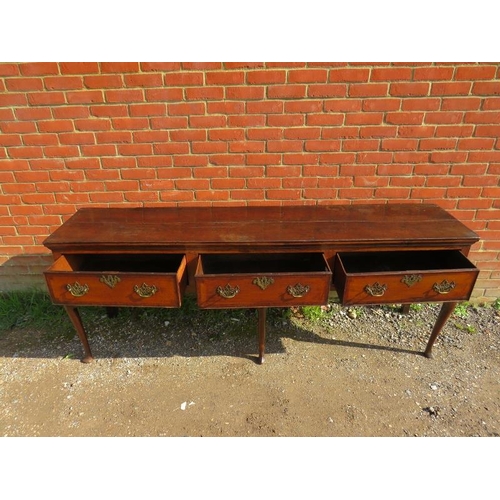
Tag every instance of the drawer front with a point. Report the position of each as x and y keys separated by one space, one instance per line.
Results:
x=416 y=285
x=233 y=290
x=82 y=288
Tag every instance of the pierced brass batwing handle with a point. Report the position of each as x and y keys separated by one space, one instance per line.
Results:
x=444 y=287
x=145 y=290
x=77 y=290
x=297 y=291
x=376 y=290
x=228 y=292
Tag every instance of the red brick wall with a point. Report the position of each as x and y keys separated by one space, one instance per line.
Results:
x=134 y=134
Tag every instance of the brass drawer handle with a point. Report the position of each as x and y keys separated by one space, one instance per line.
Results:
x=411 y=279
x=77 y=290
x=111 y=280
x=145 y=291
x=376 y=290
x=444 y=287
x=228 y=292
x=298 y=290
x=263 y=282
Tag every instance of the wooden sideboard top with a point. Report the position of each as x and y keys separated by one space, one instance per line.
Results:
x=185 y=228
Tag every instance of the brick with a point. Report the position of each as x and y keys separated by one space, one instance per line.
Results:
x=421 y=104
x=327 y=90
x=368 y=89
x=381 y=131
x=61 y=151
x=226 y=135
x=302 y=133
x=263 y=159
x=105 y=110
x=40 y=140
x=437 y=143
x=70 y=112
x=98 y=150
x=325 y=119
x=188 y=135
x=224 y=78
x=364 y=118
x=204 y=93
x=227 y=108
x=283 y=146
x=402 y=118
x=265 y=107
x=433 y=73
x=448 y=156
x=93 y=124
x=248 y=121
x=451 y=88
x=163 y=95
x=444 y=117
x=486 y=88
x=475 y=143
x=187 y=109
x=207 y=121
x=11 y=99
x=303 y=106
x=291 y=91
x=184 y=79
x=307 y=76
x=46 y=98
x=390 y=74
x=387 y=104
x=78 y=68
x=454 y=130
x=125 y=96
x=85 y=97
x=17 y=127
x=486 y=131
x=373 y=157
x=135 y=149
x=20 y=84
x=468 y=169
x=409 y=89
x=39 y=68
x=103 y=81
x=360 y=145
x=9 y=69
x=144 y=80
x=343 y=105
x=169 y=122
x=160 y=66
x=416 y=131
x=208 y=147
x=264 y=134
x=399 y=144
x=492 y=103
x=63 y=82
x=300 y=158
x=10 y=140
x=482 y=117
x=460 y=103
x=446 y=181
x=209 y=172
x=284 y=120
x=119 y=67
x=356 y=193
x=349 y=75
x=266 y=77
x=156 y=109
x=480 y=180
x=26 y=152
x=481 y=72
x=339 y=132
x=190 y=160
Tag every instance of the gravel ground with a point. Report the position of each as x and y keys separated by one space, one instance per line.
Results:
x=347 y=372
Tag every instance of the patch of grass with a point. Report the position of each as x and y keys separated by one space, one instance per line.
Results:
x=416 y=307
x=496 y=304
x=462 y=310
x=312 y=313
x=32 y=308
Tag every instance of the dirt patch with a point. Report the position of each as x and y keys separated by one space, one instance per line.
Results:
x=348 y=372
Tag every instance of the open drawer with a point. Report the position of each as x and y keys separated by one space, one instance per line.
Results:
x=403 y=277
x=144 y=280
x=262 y=280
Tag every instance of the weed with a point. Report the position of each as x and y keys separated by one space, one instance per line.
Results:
x=461 y=310
x=496 y=304
x=416 y=307
x=312 y=313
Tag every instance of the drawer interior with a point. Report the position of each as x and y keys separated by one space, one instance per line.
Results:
x=402 y=261
x=116 y=263
x=263 y=263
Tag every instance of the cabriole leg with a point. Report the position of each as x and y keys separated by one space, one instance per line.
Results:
x=446 y=310
x=75 y=318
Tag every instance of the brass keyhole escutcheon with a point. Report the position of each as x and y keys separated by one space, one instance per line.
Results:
x=111 y=280
x=263 y=282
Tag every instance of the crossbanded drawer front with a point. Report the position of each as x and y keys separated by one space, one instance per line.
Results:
x=274 y=280
x=403 y=277
x=125 y=280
